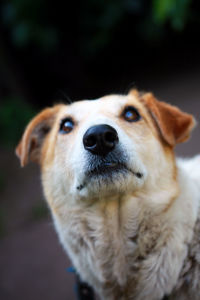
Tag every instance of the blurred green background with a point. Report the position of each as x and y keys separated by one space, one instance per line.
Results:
x=54 y=50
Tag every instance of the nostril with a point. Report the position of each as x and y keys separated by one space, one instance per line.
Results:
x=90 y=141
x=110 y=136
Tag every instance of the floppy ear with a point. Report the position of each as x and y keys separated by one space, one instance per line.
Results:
x=29 y=147
x=174 y=125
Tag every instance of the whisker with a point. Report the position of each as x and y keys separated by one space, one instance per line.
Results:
x=65 y=96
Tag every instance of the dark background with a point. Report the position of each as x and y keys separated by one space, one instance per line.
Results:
x=55 y=51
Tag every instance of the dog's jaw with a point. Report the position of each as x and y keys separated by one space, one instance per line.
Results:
x=109 y=178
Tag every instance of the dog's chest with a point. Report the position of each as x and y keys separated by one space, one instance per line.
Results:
x=101 y=241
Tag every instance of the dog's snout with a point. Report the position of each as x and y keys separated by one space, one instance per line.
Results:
x=100 y=139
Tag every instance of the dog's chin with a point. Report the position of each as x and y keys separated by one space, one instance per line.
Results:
x=109 y=179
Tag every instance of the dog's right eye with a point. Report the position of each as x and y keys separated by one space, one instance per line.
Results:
x=66 y=126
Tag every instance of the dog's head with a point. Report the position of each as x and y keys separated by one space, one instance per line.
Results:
x=112 y=145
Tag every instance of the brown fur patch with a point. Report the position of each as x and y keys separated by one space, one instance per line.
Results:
x=30 y=144
x=174 y=125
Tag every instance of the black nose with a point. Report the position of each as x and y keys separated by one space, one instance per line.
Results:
x=100 y=139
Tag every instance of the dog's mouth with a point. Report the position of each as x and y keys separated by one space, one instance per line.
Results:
x=107 y=168
x=107 y=171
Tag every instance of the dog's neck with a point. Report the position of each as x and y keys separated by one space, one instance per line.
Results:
x=149 y=241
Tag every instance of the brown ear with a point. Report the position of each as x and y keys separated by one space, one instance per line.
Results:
x=30 y=145
x=175 y=126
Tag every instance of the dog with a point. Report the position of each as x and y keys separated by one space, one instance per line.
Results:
x=126 y=210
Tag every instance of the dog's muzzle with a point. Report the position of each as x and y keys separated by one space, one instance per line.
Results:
x=106 y=161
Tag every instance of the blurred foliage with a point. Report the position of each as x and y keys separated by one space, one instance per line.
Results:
x=14 y=116
x=177 y=12
x=28 y=23
x=93 y=23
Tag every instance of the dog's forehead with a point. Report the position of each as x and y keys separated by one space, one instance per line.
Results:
x=104 y=105
x=111 y=103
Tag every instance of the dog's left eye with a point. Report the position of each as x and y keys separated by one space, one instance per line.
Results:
x=66 y=126
x=131 y=114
